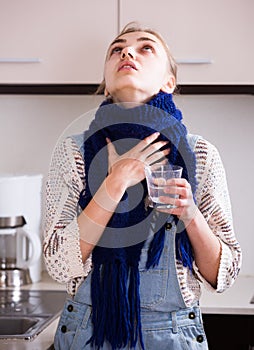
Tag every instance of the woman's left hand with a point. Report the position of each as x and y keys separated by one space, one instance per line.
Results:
x=182 y=200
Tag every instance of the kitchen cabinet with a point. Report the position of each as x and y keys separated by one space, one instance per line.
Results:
x=234 y=332
x=229 y=317
x=55 y=41
x=211 y=40
x=64 y=42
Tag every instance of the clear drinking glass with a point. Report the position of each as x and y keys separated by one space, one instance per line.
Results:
x=157 y=176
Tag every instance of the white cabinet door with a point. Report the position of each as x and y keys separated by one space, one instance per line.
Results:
x=212 y=40
x=55 y=41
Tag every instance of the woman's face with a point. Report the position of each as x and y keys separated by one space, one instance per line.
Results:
x=137 y=68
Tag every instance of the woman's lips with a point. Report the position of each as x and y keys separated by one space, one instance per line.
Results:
x=127 y=65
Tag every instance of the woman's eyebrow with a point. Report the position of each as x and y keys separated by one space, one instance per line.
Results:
x=121 y=40
x=144 y=38
x=118 y=41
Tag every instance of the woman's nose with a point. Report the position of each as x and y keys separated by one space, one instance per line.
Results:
x=127 y=51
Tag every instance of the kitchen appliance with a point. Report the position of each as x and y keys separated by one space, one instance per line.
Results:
x=20 y=243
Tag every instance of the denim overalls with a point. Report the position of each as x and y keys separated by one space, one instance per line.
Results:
x=166 y=322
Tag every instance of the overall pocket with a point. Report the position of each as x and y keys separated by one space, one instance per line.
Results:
x=153 y=282
x=194 y=337
x=74 y=315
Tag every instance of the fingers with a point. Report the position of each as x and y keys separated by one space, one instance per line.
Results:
x=112 y=154
x=149 y=151
x=157 y=157
x=174 y=201
x=111 y=147
x=154 y=148
x=147 y=141
x=178 y=194
x=179 y=187
x=145 y=151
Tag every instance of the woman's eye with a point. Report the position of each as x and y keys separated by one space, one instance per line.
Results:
x=116 y=49
x=147 y=48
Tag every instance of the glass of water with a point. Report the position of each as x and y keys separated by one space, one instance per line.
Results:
x=157 y=176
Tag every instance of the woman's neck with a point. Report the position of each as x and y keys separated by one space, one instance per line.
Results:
x=130 y=98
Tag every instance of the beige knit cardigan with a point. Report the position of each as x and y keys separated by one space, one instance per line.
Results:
x=61 y=233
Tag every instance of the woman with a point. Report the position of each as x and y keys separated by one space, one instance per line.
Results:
x=133 y=272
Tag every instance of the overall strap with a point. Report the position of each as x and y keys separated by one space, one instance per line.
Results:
x=192 y=140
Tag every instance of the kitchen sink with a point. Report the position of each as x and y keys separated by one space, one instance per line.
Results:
x=25 y=313
x=15 y=325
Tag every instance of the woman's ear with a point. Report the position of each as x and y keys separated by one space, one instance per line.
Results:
x=169 y=85
x=106 y=93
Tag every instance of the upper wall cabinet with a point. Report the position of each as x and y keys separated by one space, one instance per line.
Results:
x=55 y=41
x=212 y=40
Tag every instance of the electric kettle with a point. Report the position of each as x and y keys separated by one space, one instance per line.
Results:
x=19 y=250
x=20 y=243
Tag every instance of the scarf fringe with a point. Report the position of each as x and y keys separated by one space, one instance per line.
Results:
x=184 y=251
x=116 y=306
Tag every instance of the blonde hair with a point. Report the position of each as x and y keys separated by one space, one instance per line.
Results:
x=136 y=27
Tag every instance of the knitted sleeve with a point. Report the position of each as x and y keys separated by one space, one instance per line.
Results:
x=61 y=247
x=214 y=203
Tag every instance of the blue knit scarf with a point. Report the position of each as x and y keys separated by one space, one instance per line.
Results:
x=115 y=276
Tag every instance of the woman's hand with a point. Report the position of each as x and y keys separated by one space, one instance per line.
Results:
x=129 y=167
x=206 y=246
x=185 y=207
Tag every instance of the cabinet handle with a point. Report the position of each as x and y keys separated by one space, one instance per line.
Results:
x=194 y=61
x=20 y=60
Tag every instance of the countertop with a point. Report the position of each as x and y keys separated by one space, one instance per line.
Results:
x=234 y=301
x=44 y=340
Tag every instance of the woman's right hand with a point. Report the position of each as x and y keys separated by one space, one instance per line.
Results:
x=129 y=167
